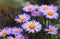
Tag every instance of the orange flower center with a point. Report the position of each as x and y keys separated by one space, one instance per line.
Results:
x=45 y=8
x=51 y=29
x=36 y=12
x=16 y=31
x=29 y=8
x=50 y=13
x=31 y=26
x=22 y=19
x=4 y=32
x=15 y=38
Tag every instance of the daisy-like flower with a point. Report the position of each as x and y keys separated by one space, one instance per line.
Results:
x=54 y=7
x=4 y=32
x=43 y=8
x=51 y=29
x=22 y=18
x=16 y=31
x=29 y=8
x=51 y=14
x=32 y=26
x=35 y=13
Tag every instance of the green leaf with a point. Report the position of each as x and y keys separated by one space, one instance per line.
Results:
x=58 y=25
x=58 y=1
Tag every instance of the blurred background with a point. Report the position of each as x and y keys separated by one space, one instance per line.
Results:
x=9 y=9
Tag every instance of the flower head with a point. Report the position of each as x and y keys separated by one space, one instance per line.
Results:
x=22 y=18
x=51 y=14
x=35 y=13
x=32 y=26
x=51 y=29
x=16 y=31
x=4 y=32
x=43 y=8
x=54 y=7
x=29 y=8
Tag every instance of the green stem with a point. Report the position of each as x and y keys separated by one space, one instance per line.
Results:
x=45 y=36
x=52 y=36
x=33 y=36
x=56 y=37
x=5 y=38
x=46 y=24
x=47 y=21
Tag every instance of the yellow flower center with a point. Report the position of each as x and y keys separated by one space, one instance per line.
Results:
x=22 y=19
x=15 y=38
x=4 y=32
x=29 y=8
x=45 y=8
x=16 y=31
x=36 y=12
x=50 y=13
x=31 y=26
x=51 y=29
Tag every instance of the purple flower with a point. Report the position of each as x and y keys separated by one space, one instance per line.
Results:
x=5 y=32
x=43 y=8
x=35 y=13
x=29 y=8
x=22 y=18
x=51 y=29
x=54 y=7
x=51 y=14
x=16 y=31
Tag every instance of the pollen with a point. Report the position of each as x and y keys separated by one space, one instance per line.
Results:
x=4 y=32
x=45 y=8
x=31 y=26
x=51 y=29
x=16 y=31
x=50 y=13
x=22 y=19
x=36 y=12
x=29 y=8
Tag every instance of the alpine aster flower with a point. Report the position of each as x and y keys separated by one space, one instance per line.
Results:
x=35 y=13
x=43 y=8
x=16 y=31
x=4 y=32
x=32 y=26
x=54 y=7
x=29 y=8
x=22 y=18
x=51 y=14
x=51 y=29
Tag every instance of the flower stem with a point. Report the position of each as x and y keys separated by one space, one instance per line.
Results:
x=34 y=36
x=56 y=37
x=5 y=38
x=47 y=21
x=52 y=36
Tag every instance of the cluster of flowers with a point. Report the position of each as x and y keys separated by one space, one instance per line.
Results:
x=12 y=33
x=49 y=11
x=32 y=26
